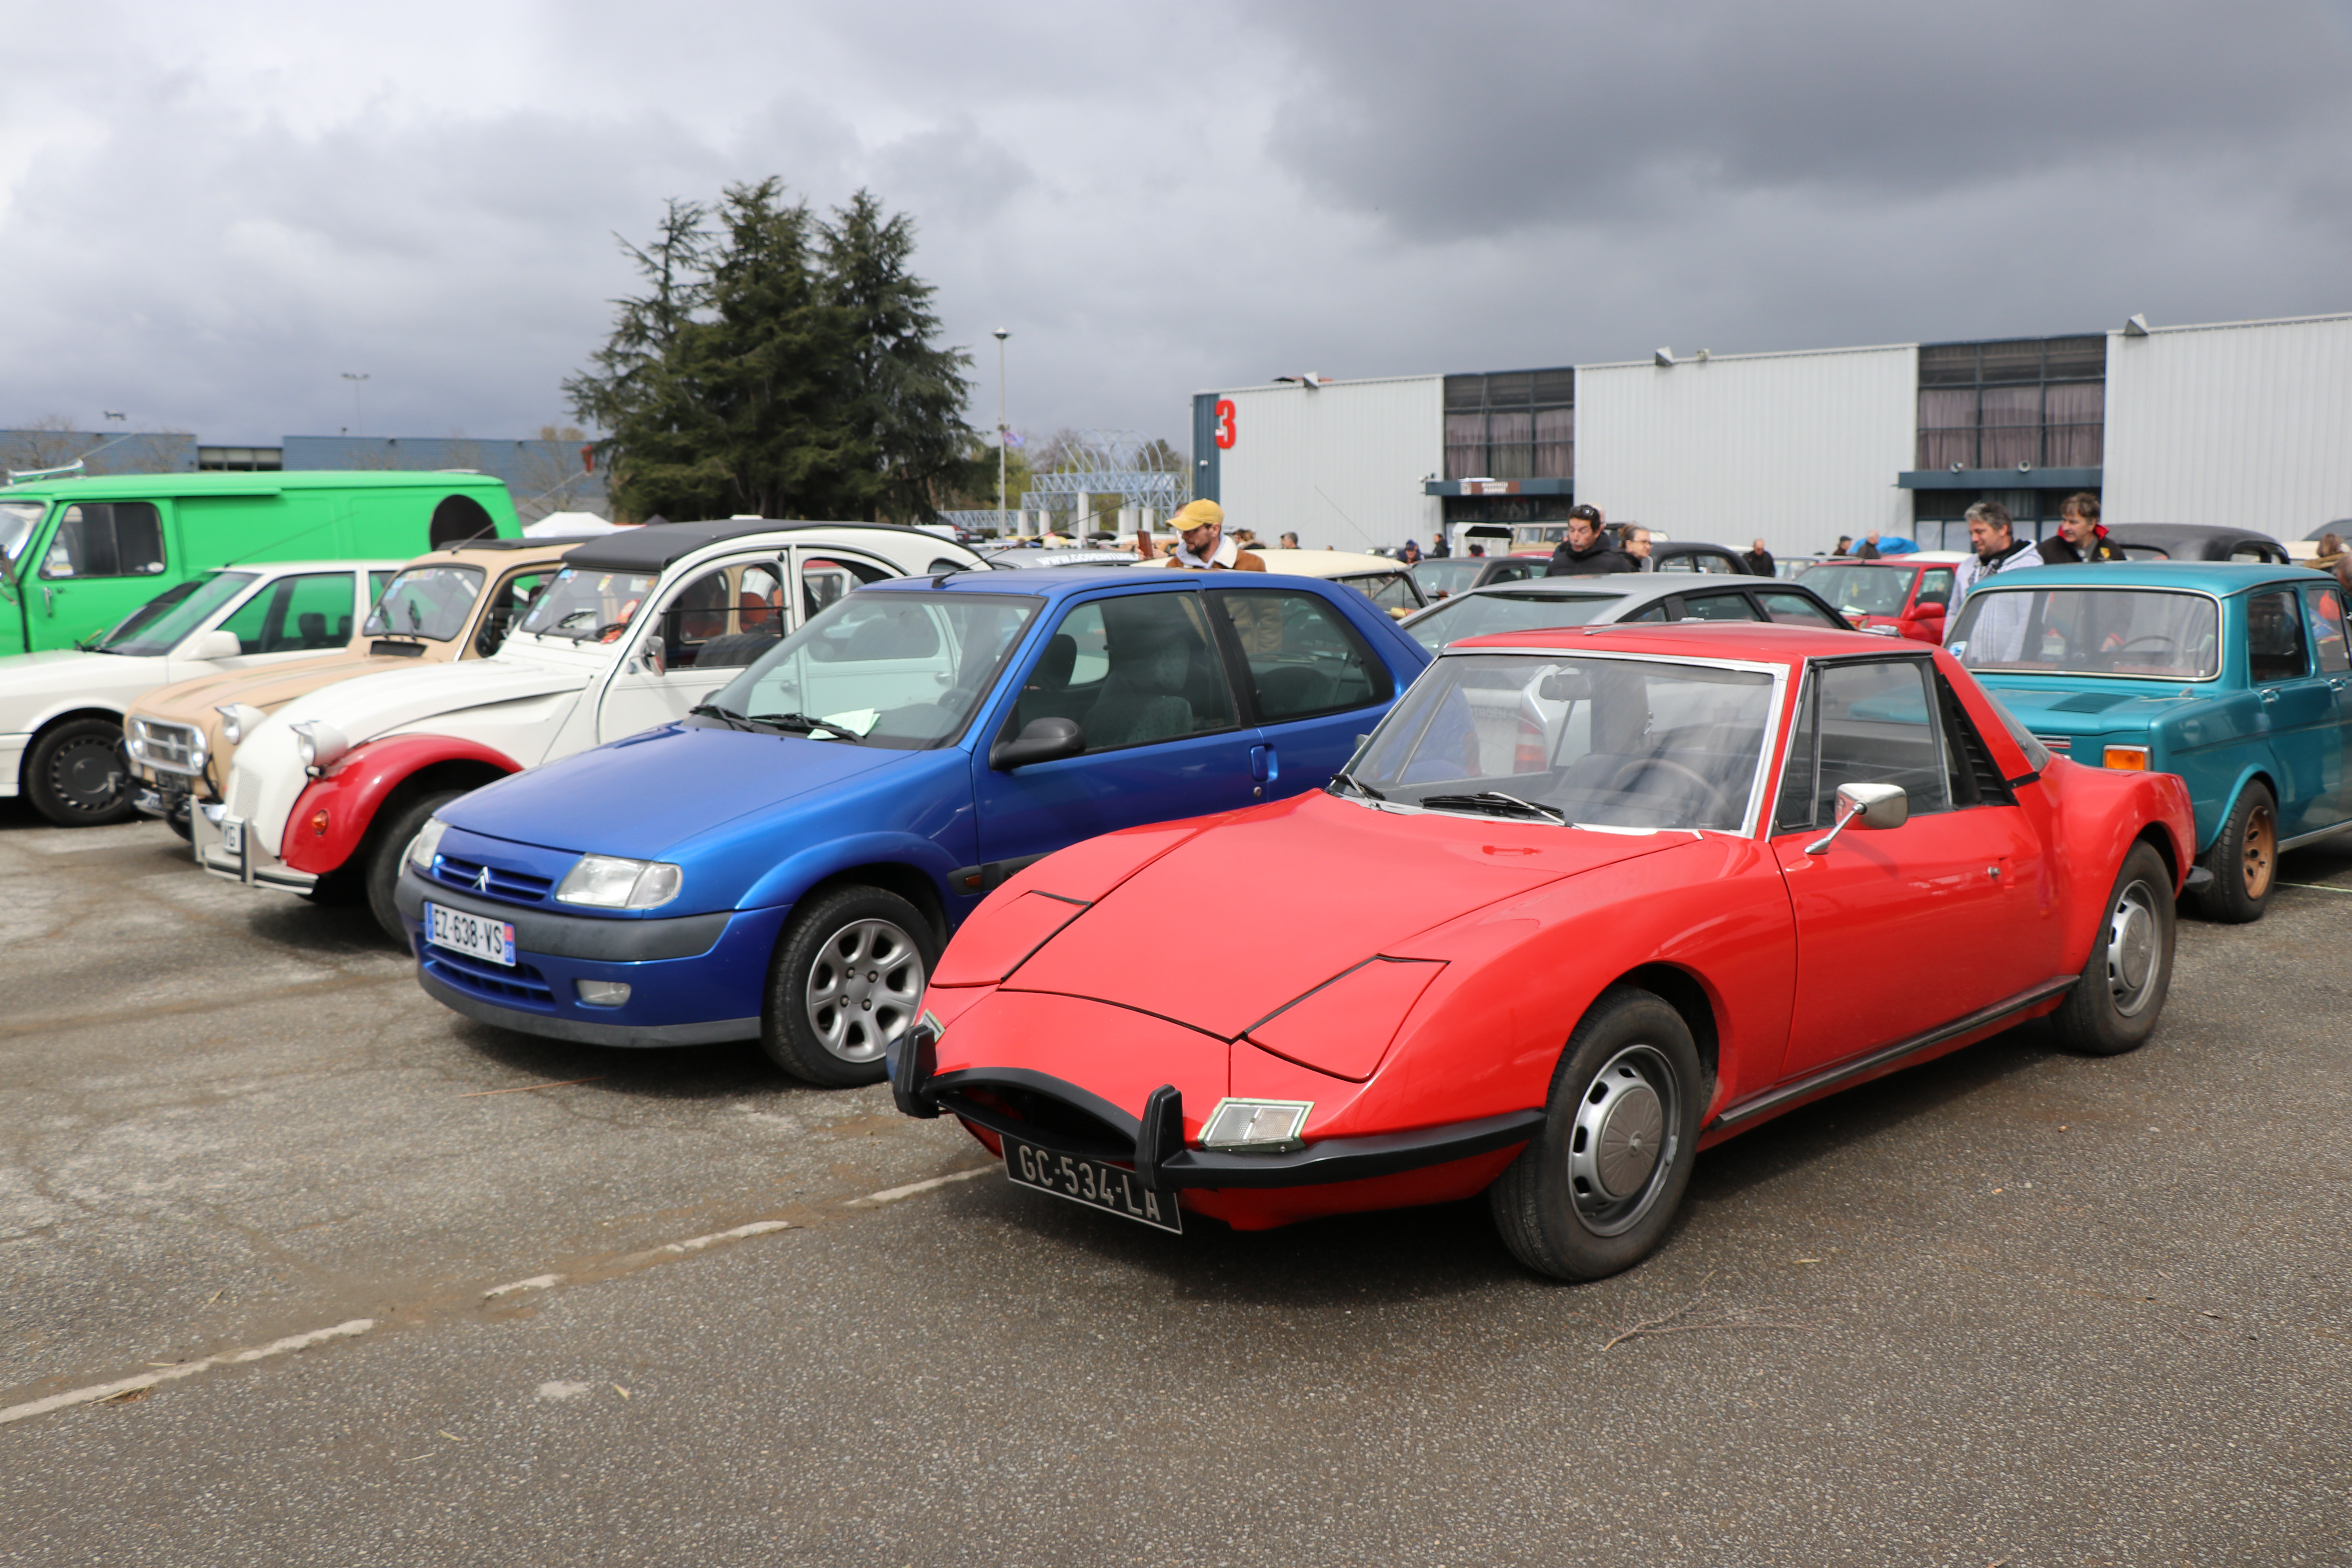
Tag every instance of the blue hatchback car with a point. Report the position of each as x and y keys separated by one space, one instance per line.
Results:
x=787 y=864
x=2237 y=678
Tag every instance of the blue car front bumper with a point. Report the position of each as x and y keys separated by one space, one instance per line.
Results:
x=693 y=980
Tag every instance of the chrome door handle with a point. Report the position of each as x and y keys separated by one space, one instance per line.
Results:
x=2269 y=696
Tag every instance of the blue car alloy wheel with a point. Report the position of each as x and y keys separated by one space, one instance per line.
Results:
x=848 y=980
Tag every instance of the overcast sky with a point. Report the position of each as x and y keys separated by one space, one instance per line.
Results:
x=209 y=214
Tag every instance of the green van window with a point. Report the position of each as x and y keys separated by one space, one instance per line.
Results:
x=295 y=614
x=105 y=539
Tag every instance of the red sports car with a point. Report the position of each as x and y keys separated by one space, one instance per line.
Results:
x=1586 y=902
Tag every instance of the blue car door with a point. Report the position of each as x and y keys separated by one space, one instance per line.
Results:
x=2324 y=611
x=2299 y=709
x=1316 y=684
x=1143 y=678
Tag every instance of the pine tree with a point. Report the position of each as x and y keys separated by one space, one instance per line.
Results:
x=778 y=366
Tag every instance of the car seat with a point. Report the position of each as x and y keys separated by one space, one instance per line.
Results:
x=1139 y=700
x=312 y=625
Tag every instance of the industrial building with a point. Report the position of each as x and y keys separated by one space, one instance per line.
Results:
x=2247 y=423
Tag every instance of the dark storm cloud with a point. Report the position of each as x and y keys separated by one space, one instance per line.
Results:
x=1489 y=118
x=206 y=216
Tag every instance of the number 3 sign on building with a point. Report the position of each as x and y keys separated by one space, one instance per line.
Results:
x=1225 y=427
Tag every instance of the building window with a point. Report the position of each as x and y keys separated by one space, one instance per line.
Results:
x=1511 y=424
x=2038 y=401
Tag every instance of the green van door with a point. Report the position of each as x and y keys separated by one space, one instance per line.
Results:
x=76 y=555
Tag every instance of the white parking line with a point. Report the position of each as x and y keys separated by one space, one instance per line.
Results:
x=536 y=1282
x=757 y=1227
x=149 y=1380
x=892 y=1194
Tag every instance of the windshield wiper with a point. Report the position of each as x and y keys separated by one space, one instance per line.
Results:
x=801 y=724
x=1494 y=802
x=1359 y=786
x=727 y=716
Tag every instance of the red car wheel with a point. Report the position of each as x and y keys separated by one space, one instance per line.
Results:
x=1596 y=1190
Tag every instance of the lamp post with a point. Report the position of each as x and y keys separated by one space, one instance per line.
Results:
x=1001 y=335
x=358 y=423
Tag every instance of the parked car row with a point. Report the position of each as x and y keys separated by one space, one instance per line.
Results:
x=1559 y=879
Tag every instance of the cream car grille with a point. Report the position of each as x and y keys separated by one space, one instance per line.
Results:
x=169 y=748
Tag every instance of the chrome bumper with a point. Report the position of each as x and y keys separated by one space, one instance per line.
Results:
x=248 y=862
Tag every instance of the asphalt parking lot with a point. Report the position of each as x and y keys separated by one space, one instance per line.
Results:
x=2014 y=1306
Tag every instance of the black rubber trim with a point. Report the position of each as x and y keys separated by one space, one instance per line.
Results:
x=717 y=1032
x=972 y=881
x=1890 y=1056
x=574 y=936
x=1323 y=1161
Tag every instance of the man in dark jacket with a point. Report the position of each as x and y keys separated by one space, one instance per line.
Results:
x=2079 y=537
x=1759 y=561
x=1587 y=552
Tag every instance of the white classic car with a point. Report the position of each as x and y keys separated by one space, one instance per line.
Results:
x=637 y=629
x=61 y=711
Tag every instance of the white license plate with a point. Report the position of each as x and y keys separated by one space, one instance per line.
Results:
x=470 y=934
x=232 y=835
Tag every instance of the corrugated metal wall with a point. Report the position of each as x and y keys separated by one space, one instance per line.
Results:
x=2248 y=425
x=1796 y=447
x=1340 y=464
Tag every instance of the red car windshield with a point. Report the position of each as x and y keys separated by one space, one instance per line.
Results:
x=1593 y=740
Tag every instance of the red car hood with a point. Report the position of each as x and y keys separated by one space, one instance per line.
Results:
x=1245 y=917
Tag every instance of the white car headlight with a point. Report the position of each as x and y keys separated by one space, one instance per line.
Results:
x=237 y=719
x=318 y=743
x=426 y=844
x=1255 y=1126
x=609 y=882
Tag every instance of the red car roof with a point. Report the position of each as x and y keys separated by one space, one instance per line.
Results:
x=1773 y=643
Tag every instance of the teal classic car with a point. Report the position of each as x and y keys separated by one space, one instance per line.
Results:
x=2235 y=677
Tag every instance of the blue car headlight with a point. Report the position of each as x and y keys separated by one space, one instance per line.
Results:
x=610 y=882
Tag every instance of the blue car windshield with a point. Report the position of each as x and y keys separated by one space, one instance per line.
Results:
x=2144 y=633
x=892 y=669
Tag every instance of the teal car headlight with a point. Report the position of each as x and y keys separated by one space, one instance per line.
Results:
x=610 y=882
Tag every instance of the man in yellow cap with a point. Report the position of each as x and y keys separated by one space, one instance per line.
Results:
x=1200 y=528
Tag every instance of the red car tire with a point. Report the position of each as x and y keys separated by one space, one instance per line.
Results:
x=1597 y=1189
x=2115 y=1006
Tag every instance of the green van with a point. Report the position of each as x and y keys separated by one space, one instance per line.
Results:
x=76 y=555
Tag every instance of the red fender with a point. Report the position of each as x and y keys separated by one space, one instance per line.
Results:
x=334 y=812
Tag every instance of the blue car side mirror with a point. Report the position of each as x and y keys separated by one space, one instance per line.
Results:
x=1040 y=740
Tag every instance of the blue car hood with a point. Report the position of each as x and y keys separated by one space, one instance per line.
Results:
x=641 y=796
x=2078 y=706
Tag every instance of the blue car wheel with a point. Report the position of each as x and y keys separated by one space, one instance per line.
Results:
x=847 y=979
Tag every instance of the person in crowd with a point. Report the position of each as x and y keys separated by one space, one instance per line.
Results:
x=1477 y=551
x=2331 y=556
x=1439 y=550
x=1290 y=541
x=1202 y=544
x=2079 y=537
x=1999 y=631
x=1410 y=553
x=1759 y=561
x=1868 y=549
x=1586 y=551
x=1844 y=545
x=1637 y=548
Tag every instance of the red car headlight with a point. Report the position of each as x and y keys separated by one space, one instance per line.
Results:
x=1344 y=1026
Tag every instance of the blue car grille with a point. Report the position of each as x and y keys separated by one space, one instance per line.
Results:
x=514 y=887
x=522 y=987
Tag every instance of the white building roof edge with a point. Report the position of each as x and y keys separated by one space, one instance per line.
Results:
x=1713 y=358
x=1318 y=386
x=2154 y=330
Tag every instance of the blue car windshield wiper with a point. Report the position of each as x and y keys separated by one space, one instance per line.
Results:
x=727 y=716
x=801 y=724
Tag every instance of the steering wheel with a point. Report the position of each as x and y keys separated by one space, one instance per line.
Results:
x=2159 y=638
x=1640 y=765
